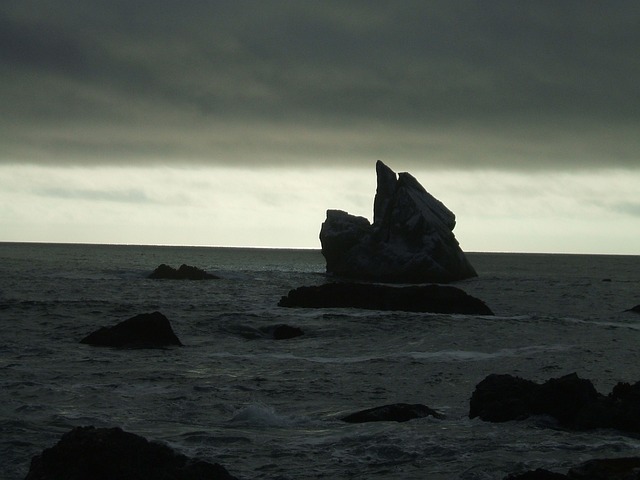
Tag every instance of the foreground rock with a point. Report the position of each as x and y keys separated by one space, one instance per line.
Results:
x=87 y=453
x=185 y=272
x=411 y=239
x=147 y=330
x=572 y=401
x=415 y=298
x=626 y=468
x=397 y=412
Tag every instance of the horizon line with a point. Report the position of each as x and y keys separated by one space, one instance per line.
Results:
x=270 y=247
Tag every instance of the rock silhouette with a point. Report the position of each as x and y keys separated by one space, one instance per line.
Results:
x=572 y=401
x=411 y=239
x=414 y=298
x=185 y=272
x=147 y=330
x=110 y=453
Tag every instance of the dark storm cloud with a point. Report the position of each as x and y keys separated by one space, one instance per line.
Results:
x=495 y=84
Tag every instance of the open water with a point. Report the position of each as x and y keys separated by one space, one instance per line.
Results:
x=269 y=409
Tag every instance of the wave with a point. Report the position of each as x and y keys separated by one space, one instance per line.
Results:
x=440 y=355
x=261 y=415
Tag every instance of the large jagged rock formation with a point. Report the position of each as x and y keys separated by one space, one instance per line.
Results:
x=572 y=401
x=410 y=241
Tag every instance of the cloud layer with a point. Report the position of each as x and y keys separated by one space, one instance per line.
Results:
x=501 y=84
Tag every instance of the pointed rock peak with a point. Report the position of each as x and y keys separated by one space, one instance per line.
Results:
x=387 y=181
x=411 y=238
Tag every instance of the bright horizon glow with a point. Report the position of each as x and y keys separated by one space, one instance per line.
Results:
x=583 y=213
x=310 y=249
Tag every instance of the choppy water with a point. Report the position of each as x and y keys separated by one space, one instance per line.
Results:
x=269 y=409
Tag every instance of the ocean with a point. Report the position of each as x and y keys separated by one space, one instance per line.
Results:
x=270 y=409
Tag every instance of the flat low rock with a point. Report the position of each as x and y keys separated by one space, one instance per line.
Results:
x=414 y=298
x=635 y=309
x=572 y=401
x=184 y=272
x=397 y=412
x=86 y=453
x=147 y=330
x=282 y=331
x=538 y=474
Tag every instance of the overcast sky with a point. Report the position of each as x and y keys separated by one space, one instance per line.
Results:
x=241 y=122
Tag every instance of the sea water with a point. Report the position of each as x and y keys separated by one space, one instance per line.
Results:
x=268 y=409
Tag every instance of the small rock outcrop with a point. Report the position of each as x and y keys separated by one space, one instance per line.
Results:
x=624 y=468
x=572 y=401
x=185 y=272
x=414 y=298
x=110 y=453
x=147 y=330
x=411 y=239
x=397 y=412
x=282 y=331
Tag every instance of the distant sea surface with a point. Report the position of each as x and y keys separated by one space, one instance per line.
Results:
x=268 y=409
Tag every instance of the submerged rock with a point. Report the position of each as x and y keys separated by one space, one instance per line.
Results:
x=110 y=453
x=397 y=412
x=625 y=468
x=411 y=239
x=539 y=474
x=414 y=298
x=635 y=309
x=185 y=272
x=282 y=331
x=147 y=330
x=572 y=401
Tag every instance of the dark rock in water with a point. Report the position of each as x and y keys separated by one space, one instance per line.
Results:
x=282 y=331
x=397 y=412
x=414 y=298
x=110 y=453
x=539 y=474
x=626 y=468
x=569 y=399
x=635 y=309
x=572 y=401
x=501 y=398
x=147 y=330
x=185 y=272
x=411 y=239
